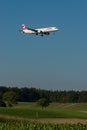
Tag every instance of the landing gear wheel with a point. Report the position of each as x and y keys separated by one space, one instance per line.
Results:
x=41 y=33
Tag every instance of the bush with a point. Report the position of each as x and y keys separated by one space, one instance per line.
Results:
x=43 y=102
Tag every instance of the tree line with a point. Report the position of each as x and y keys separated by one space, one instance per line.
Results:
x=26 y=94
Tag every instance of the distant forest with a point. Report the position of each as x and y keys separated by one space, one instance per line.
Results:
x=32 y=94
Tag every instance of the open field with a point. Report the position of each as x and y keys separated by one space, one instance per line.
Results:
x=55 y=110
x=25 y=116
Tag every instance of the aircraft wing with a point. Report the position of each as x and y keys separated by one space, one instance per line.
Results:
x=32 y=29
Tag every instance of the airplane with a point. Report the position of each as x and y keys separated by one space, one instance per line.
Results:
x=41 y=31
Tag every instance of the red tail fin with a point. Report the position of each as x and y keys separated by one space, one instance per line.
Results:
x=23 y=27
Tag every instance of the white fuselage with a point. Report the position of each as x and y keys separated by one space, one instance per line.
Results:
x=44 y=30
x=38 y=31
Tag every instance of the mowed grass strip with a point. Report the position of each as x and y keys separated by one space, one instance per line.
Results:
x=55 y=110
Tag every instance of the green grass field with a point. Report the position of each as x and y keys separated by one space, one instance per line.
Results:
x=54 y=110
x=18 y=116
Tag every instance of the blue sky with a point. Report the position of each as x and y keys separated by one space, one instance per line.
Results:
x=57 y=61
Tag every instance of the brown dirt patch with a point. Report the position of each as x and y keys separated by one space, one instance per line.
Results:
x=45 y=120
